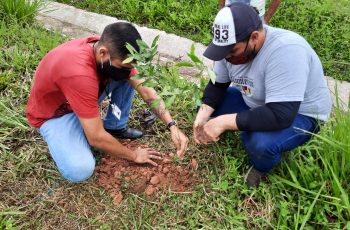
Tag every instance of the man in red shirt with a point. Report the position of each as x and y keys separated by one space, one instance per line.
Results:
x=70 y=82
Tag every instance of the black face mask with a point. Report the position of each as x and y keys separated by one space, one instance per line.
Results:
x=245 y=57
x=107 y=71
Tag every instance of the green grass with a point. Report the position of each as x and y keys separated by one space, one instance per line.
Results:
x=319 y=171
x=324 y=23
x=308 y=190
x=20 y=10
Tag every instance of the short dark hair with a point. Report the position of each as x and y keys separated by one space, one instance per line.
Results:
x=116 y=35
x=259 y=28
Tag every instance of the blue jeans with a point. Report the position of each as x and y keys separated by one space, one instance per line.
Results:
x=265 y=148
x=66 y=140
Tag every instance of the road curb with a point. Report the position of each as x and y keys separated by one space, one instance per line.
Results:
x=169 y=44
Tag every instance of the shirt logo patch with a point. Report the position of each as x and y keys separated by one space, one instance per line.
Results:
x=245 y=85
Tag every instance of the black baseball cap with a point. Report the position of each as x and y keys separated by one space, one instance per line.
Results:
x=232 y=24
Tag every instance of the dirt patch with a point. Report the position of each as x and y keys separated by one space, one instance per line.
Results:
x=119 y=176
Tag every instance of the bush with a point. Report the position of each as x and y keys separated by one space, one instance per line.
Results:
x=20 y=10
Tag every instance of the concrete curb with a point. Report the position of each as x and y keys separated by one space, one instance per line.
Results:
x=168 y=45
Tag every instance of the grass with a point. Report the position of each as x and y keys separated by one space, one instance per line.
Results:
x=320 y=163
x=324 y=23
x=20 y=10
x=308 y=190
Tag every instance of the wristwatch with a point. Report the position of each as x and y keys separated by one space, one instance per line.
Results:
x=171 y=123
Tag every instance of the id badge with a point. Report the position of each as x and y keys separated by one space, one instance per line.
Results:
x=116 y=111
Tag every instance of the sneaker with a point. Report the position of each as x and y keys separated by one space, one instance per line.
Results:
x=254 y=177
x=126 y=133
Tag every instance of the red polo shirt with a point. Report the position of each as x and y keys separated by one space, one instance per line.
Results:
x=65 y=81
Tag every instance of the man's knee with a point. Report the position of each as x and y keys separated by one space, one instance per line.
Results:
x=79 y=171
x=263 y=155
x=259 y=149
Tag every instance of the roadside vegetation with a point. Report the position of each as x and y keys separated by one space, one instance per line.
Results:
x=324 y=23
x=308 y=190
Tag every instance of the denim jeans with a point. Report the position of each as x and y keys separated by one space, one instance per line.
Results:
x=66 y=140
x=265 y=148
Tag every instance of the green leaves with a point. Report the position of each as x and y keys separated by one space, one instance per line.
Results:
x=155 y=41
x=184 y=64
x=193 y=56
x=307 y=217
x=128 y=60
x=170 y=101
x=155 y=104
x=143 y=46
x=131 y=49
x=204 y=70
x=165 y=79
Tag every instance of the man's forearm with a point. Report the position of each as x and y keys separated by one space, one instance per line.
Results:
x=271 y=10
x=107 y=143
x=228 y=121
x=150 y=96
x=204 y=112
x=221 y=4
x=161 y=110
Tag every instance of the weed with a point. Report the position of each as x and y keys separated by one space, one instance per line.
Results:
x=7 y=223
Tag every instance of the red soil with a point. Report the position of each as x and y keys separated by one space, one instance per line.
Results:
x=118 y=176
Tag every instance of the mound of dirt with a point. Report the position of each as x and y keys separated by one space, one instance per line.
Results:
x=119 y=176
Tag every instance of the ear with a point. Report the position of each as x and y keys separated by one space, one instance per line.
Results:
x=102 y=51
x=255 y=35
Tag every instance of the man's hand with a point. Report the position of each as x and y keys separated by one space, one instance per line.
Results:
x=213 y=129
x=146 y=156
x=180 y=141
x=216 y=126
x=201 y=119
x=198 y=132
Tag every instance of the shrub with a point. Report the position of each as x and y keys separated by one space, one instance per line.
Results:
x=20 y=10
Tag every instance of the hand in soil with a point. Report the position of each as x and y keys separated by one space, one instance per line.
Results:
x=180 y=140
x=198 y=133
x=147 y=156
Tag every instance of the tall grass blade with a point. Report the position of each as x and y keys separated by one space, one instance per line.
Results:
x=306 y=218
x=278 y=178
x=10 y=118
x=344 y=195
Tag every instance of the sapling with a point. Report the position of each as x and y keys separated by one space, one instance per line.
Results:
x=142 y=61
x=203 y=72
x=153 y=72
